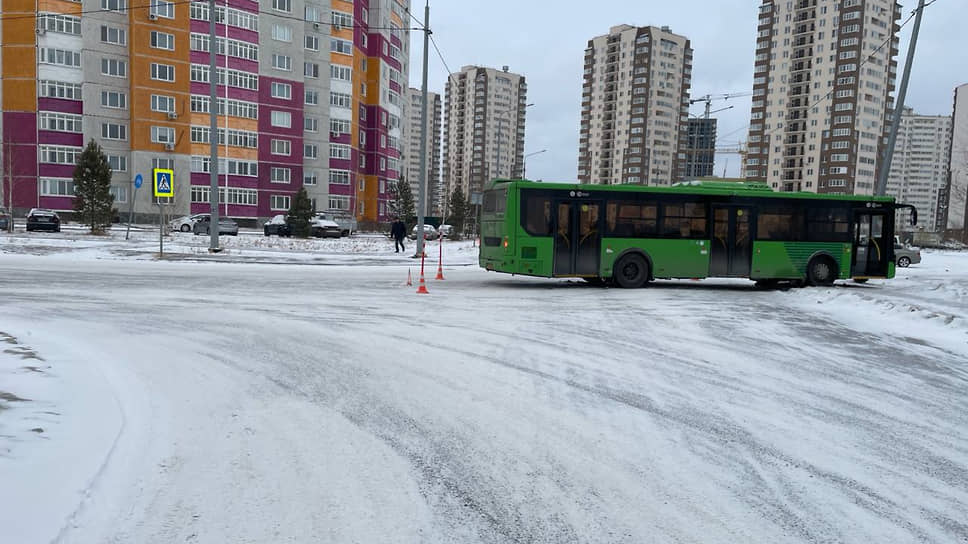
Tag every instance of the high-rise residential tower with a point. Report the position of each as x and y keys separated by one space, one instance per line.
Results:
x=484 y=114
x=136 y=79
x=919 y=167
x=635 y=107
x=822 y=80
x=956 y=191
x=700 y=147
x=413 y=133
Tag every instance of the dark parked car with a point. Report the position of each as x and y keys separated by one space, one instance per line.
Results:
x=41 y=219
x=5 y=220
x=225 y=226
x=278 y=226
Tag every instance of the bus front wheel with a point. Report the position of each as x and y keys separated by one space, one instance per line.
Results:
x=631 y=271
x=821 y=271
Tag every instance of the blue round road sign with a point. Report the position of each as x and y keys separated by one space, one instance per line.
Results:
x=137 y=181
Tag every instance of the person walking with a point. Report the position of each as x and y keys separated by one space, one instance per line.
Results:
x=398 y=231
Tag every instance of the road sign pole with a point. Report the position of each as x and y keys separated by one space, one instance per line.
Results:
x=161 y=231
x=137 y=183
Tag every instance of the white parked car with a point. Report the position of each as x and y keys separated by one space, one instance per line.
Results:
x=321 y=227
x=346 y=222
x=185 y=224
x=430 y=232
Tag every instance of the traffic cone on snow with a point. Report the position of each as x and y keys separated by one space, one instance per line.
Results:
x=440 y=260
x=422 y=290
x=409 y=279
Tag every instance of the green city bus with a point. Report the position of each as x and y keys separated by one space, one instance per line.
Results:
x=631 y=234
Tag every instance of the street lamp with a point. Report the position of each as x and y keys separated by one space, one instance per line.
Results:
x=499 y=125
x=524 y=162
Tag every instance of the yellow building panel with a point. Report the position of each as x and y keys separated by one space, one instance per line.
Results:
x=201 y=119
x=58 y=6
x=223 y=152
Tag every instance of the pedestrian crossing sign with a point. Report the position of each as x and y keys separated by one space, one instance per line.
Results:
x=164 y=184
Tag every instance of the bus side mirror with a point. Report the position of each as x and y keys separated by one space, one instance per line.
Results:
x=914 y=216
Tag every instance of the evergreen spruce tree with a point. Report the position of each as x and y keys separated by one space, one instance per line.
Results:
x=459 y=209
x=403 y=205
x=93 y=200
x=300 y=214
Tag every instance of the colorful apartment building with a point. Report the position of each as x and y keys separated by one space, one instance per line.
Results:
x=136 y=79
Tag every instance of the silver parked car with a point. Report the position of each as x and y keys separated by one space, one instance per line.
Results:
x=905 y=256
x=225 y=226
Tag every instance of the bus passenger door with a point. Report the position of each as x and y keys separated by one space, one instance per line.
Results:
x=578 y=238
x=872 y=249
x=731 y=249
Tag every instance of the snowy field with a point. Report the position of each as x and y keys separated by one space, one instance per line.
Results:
x=299 y=391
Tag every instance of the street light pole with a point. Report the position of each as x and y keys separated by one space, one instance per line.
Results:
x=422 y=191
x=524 y=162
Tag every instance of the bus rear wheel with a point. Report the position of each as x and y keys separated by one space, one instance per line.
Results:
x=631 y=271
x=821 y=271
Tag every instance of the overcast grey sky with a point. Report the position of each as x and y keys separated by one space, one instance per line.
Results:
x=545 y=42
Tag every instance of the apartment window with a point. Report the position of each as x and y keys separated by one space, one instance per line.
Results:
x=281 y=147
x=60 y=122
x=162 y=103
x=162 y=8
x=340 y=46
x=281 y=119
x=340 y=19
x=282 y=33
x=279 y=202
x=838 y=157
x=55 y=22
x=113 y=35
x=339 y=151
x=311 y=178
x=312 y=43
x=114 y=131
x=312 y=98
x=162 y=40
x=340 y=100
x=311 y=69
x=119 y=163
x=59 y=57
x=56 y=187
x=282 y=62
x=311 y=151
x=339 y=177
x=311 y=14
x=339 y=126
x=280 y=175
x=114 y=99
x=120 y=193
x=114 y=5
x=162 y=135
x=282 y=90
x=342 y=73
x=114 y=68
x=282 y=5
x=310 y=124
x=162 y=72
x=339 y=202
x=59 y=154
x=58 y=89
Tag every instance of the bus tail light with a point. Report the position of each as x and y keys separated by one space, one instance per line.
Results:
x=505 y=242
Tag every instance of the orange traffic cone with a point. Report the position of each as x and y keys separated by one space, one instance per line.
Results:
x=409 y=279
x=440 y=261
x=422 y=289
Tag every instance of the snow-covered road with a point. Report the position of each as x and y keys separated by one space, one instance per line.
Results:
x=213 y=402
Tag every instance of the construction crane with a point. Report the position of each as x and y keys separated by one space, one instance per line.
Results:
x=708 y=99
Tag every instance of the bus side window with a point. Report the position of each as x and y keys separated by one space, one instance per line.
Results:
x=827 y=224
x=777 y=223
x=684 y=220
x=631 y=219
x=537 y=215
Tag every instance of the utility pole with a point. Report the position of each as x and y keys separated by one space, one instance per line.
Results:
x=213 y=230
x=881 y=188
x=422 y=191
